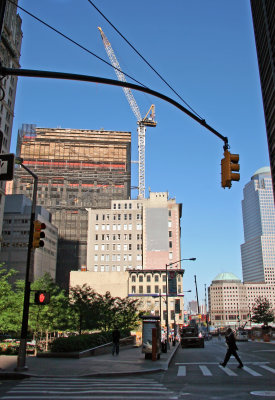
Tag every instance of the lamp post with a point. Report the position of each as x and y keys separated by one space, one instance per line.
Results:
x=21 y=359
x=167 y=307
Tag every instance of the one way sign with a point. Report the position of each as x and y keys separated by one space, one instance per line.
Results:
x=6 y=167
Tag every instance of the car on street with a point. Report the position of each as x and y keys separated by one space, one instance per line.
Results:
x=242 y=336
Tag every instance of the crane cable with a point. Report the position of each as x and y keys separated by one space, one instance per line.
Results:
x=72 y=41
x=123 y=37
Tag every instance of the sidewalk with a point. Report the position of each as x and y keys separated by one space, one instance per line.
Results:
x=129 y=361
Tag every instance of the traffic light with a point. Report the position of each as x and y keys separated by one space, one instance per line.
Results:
x=41 y=297
x=229 y=164
x=38 y=234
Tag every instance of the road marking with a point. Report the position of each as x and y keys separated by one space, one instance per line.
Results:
x=265 y=393
x=181 y=371
x=251 y=371
x=231 y=363
x=227 y=371
x=268 y=368
x=205 y=370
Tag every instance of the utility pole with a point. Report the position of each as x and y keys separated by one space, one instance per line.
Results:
x=197 y=294
x=21 y=359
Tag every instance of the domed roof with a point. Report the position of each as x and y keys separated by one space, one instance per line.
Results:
x=263 y=170
x=226 y=276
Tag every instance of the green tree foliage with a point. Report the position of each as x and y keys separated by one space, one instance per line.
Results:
x=262 y=311
x=11 y=301
x=53 y=316
x=81 y=304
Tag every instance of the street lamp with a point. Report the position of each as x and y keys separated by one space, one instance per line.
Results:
x=21 y=359
x=167 y=308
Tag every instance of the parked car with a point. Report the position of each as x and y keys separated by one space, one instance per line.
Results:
x=242 y=336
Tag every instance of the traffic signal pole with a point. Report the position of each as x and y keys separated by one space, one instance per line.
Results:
x=21 y=359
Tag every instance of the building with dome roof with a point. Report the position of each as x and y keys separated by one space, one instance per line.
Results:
x=231 y=301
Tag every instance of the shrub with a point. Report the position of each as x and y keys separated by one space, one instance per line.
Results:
x=82 y=342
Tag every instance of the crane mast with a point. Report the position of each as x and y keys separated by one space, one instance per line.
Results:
x=148 y=120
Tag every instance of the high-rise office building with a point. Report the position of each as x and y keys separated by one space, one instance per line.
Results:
x=258 y=250
x=263 y=13
x=76 y=169
x=10 y=46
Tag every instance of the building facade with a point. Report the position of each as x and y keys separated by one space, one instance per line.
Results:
x=140 y=238
x=258 y=250
x=263 y=13
x=10 y=46
x=16 y=227
x=231 y=301
x=135 y=234
x=76 y=169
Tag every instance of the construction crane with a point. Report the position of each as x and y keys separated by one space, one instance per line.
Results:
x=148 y=120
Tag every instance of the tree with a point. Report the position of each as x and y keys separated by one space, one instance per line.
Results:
x=11 y=301
x=262 y=311
x=81 y=301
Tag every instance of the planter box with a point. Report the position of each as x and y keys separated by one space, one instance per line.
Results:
x=103 y=349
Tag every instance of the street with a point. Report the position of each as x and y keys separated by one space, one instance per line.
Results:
x=194 y=373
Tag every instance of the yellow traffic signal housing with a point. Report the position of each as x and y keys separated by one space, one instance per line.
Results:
x=229 y=164
x=38 y=234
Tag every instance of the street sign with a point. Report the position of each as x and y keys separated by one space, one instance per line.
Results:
x=6 y=167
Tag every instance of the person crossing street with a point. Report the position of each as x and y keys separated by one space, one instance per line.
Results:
x=232 y=348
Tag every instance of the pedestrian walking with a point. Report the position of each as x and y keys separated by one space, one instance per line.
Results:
x=219 y=335
x=116 y=337
x=232 y=348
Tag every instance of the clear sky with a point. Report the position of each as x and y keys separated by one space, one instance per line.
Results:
x=206 y=51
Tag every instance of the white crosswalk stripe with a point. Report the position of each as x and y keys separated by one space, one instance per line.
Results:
x=205 y=371
x=92 y=389
x=251 y=371
x=212 y=370
x=268 y=368
x=182 y=370
x=228 y=371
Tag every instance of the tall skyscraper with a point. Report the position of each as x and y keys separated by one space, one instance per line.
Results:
x=263 y=13
x=77 y=169
x=10 y=46
x=258 y=250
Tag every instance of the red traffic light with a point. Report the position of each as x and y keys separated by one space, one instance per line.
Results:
x=41 y=297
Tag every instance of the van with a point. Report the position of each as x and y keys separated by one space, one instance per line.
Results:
x=242 y=336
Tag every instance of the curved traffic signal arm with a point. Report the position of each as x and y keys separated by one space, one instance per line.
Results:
x=229 y=166
x=38 y=234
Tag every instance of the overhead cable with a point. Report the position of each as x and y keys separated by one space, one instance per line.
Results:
x=123 y=37
x=72 y=41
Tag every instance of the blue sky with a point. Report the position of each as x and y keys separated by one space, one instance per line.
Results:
x=206 y=51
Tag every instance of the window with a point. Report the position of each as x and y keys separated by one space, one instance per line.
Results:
x=125 y=247
x=102 y=237
x=164 y=278
x=170 y=245
x=140 y=289
x=125 y=217
x=140 y=278
x=96 y=246
x=148 y=289
x=148 y=278
x=96 y=237
x=119 y=206
x=170 y=234
x=133 y=278
x=156 y=289
x=156 y=278
x=133 y=289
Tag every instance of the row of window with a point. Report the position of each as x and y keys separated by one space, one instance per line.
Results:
x=117 y=257
x=117 y=217
x=126 y=236
x=148 y=278
x=117 y=227
x=117 y=247
x=150 y=289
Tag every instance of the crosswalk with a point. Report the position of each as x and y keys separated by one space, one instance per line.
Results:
x=254 y=369
x=89 y=388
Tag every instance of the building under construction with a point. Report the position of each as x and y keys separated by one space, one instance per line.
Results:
x=76 y=169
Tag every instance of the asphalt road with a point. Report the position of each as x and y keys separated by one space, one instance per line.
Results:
x=196 y=374
x=193 y=374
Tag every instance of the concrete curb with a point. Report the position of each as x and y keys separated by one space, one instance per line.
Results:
x=23 y=375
